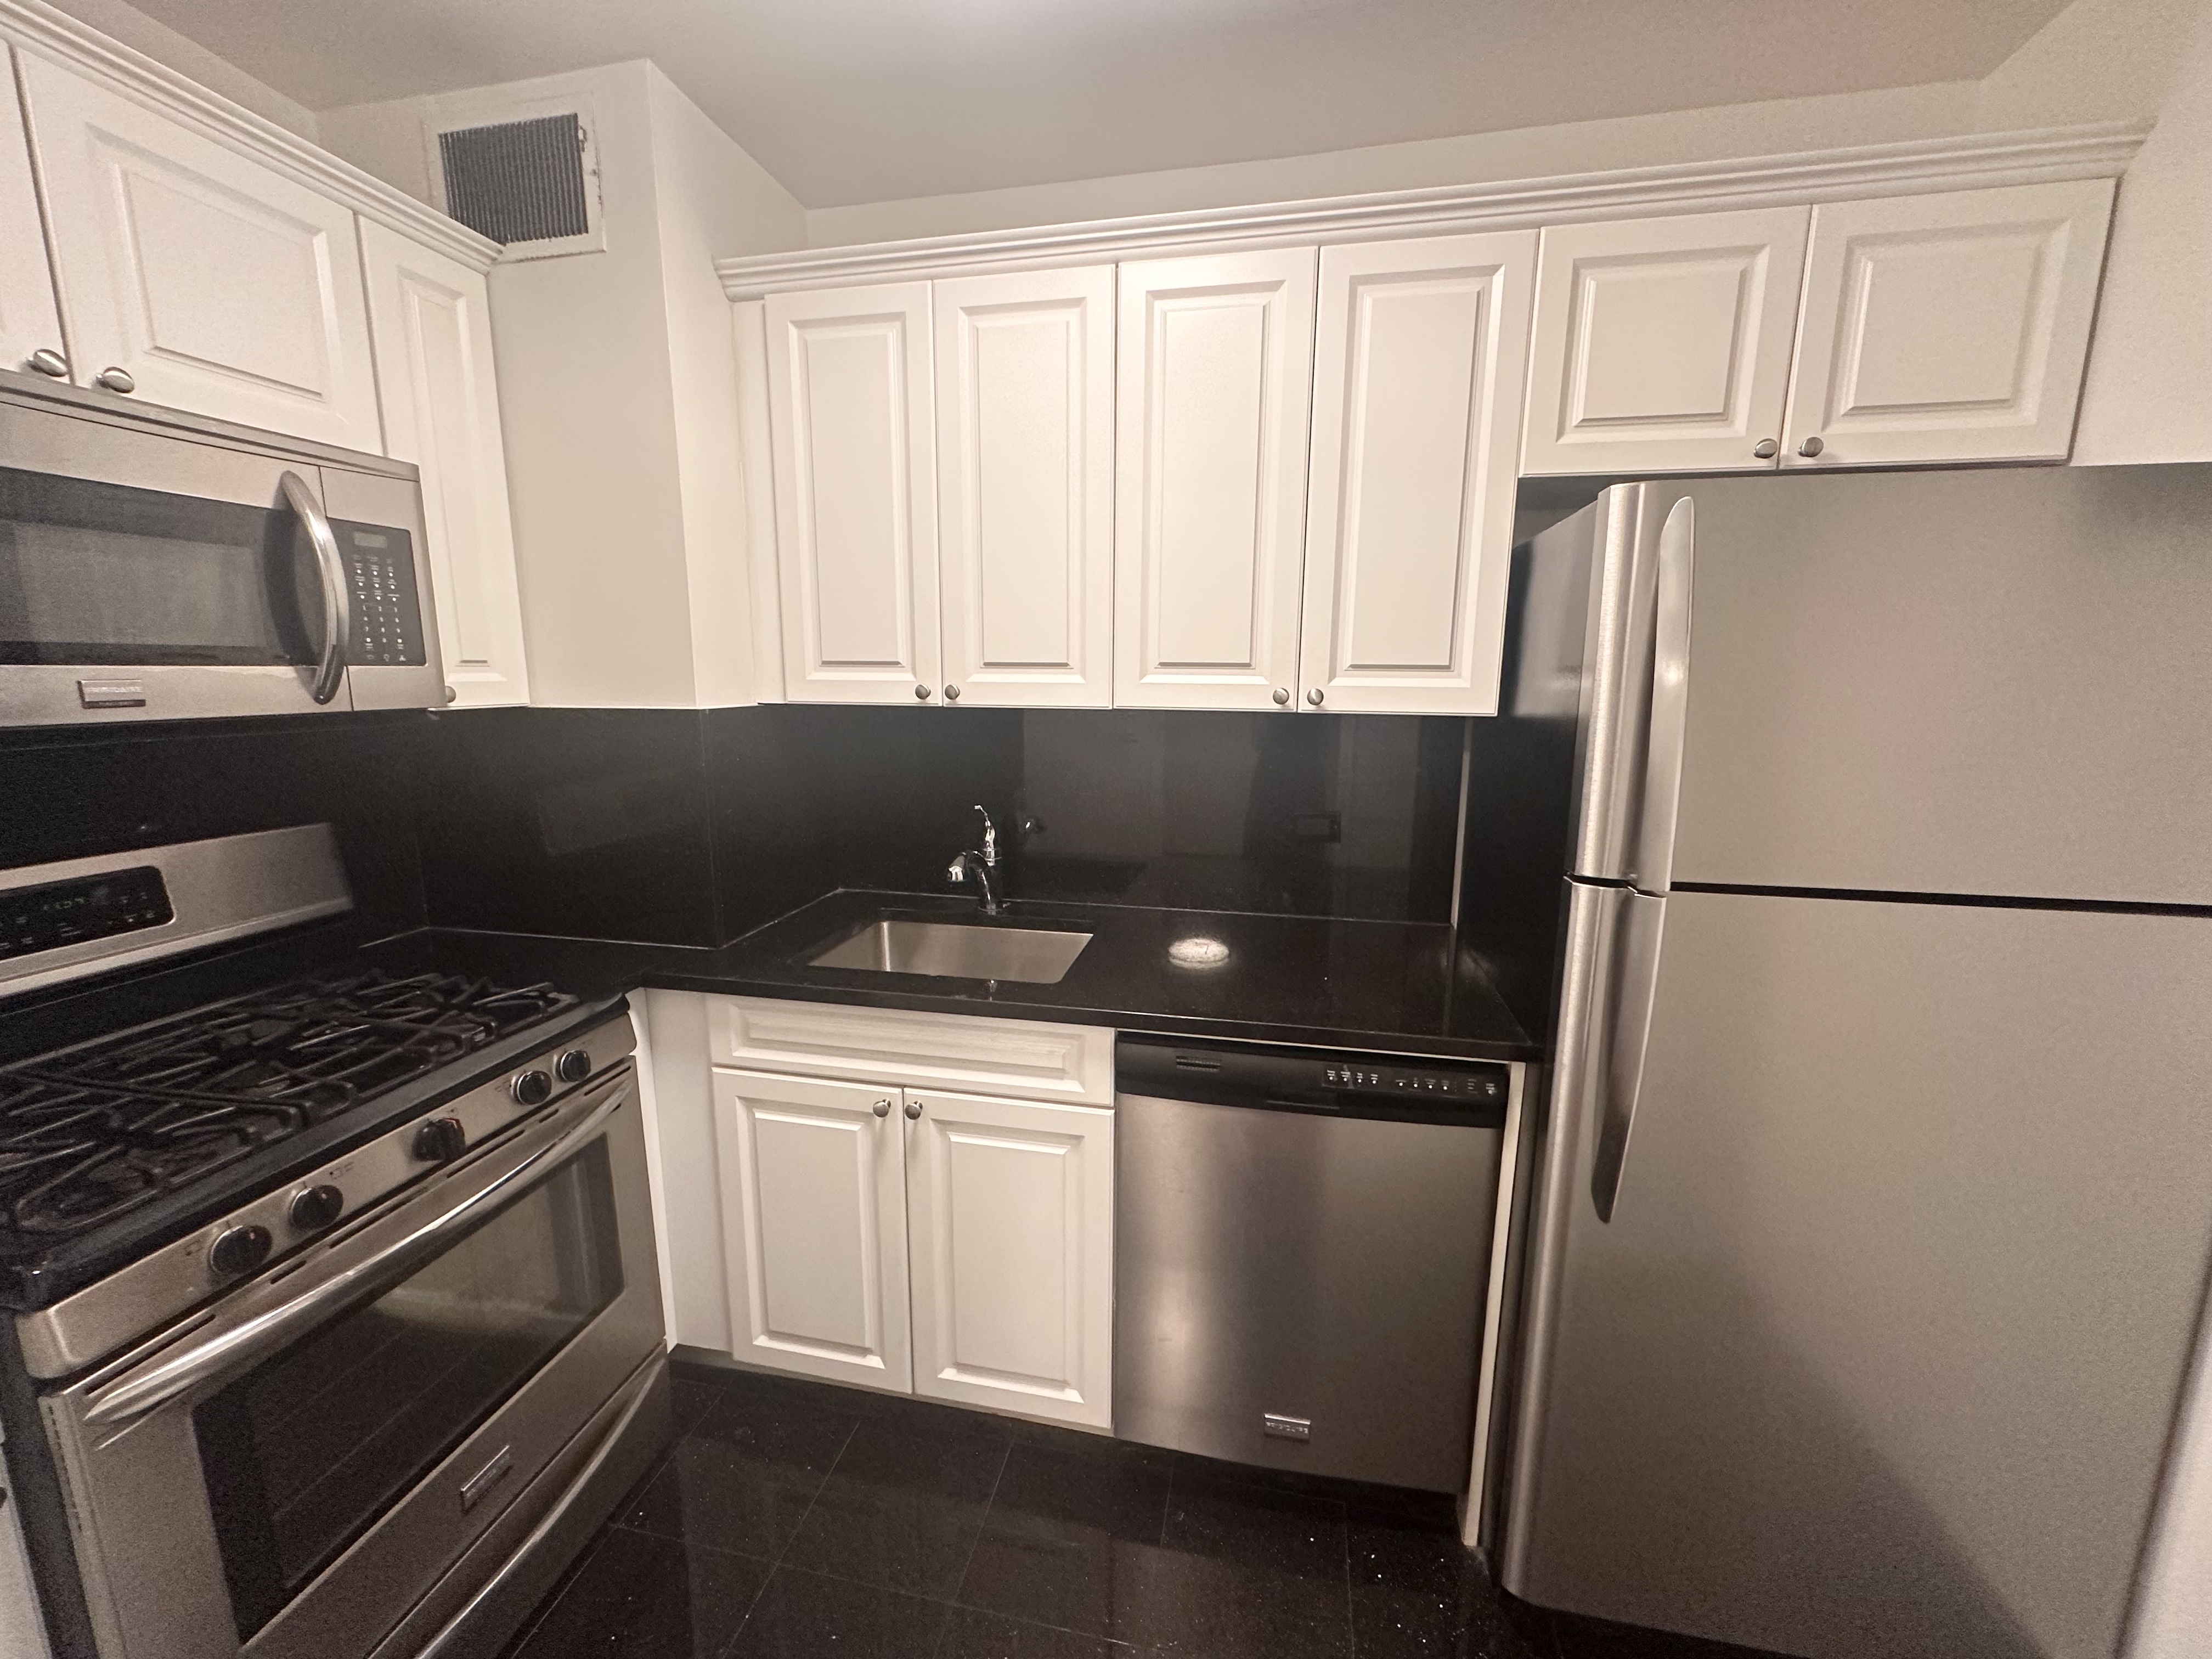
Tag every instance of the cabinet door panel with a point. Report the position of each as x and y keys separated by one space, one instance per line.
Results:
x=28 y=319
x=1010 y=1208
x=852 y=430
x=1025 y=457
x=1947 y=328
x=1421 y=354
x=814 y=1220
x=1663 y=344
x=1216 y=371
x=433 y=368
x=215 y=283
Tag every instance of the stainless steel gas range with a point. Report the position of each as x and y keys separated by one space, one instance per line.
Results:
x=335 y=1322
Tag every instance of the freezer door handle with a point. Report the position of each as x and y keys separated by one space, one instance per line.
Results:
x=1629 y=980
x=1669 y=707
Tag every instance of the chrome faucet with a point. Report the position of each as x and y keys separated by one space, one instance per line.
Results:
x=981 y=867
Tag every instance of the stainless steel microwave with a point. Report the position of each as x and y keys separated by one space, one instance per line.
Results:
x=155 y=565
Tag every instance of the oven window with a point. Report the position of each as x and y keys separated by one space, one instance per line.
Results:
x=99 y=573
x=302 y=1455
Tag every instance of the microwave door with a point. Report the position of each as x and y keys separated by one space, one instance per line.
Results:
x=119 y=600
x=154 y=566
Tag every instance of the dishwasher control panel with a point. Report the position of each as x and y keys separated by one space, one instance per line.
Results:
x=1286 y=1079
x=1486 y=1084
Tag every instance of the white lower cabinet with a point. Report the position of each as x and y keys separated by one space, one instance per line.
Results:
x=1009 y=1235
x=955 y=1246
x=814 y=1219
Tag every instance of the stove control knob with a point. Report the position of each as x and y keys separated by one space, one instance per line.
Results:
x=574 y=1067
x=240 y=1250
x=315 y=1208
x=440 y=1140
x=532 y=1088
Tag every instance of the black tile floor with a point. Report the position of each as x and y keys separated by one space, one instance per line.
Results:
x=794 y=1519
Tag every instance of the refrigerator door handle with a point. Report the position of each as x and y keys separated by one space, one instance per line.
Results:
x=1669 y=707
x=1631 y=980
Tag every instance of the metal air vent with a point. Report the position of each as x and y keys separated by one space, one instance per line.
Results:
x=531 y=184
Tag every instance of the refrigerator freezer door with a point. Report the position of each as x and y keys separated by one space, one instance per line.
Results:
x=1878 y=1353
x=1994 y=682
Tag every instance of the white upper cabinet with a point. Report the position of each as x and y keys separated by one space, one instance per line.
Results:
x=814 y=1223
x=1420 y=357
x=1663 y=344
x=855 y=455
x=214 y=283
x=29 y=321
x=1216 y=375
x=440 y=403
x=1011 y=1224
x=1025 y=486
x=1947 y=328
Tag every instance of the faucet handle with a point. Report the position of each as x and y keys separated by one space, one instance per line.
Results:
x=990 y=837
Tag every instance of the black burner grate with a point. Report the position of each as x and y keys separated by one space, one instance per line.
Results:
x=72 y=1157
x=87 y=1133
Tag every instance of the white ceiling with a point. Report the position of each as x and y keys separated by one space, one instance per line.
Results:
x=863 y=100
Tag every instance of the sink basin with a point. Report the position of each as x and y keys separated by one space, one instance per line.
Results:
x=1032 y=956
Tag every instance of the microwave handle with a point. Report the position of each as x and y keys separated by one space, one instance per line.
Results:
x=267 y=1332
x=338 y=599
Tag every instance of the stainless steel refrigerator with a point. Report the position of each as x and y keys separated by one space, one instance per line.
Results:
x=1875 y=1202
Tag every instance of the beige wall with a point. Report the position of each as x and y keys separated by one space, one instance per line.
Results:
x=127 y=24
x=1780 y=127
x=617 y=390
x=2098 y=60
x=2149 y=393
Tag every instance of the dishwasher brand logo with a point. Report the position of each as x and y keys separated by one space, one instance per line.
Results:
x=1286 y=1428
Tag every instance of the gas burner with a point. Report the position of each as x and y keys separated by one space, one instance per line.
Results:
x=90 y=1132
x=71 y=1157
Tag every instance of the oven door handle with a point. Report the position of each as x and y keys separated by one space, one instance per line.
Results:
x=265 y=1333
x=337 y=600
x=450 y=1636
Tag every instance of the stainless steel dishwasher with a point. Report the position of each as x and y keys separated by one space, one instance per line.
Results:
x=1301 y=1255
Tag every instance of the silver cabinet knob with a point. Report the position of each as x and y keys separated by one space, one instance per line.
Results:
x=1811 y=447
x=921 y=693
x=452 y=696
x=952 y=694
x=1282 y=696
x=913 y=1111
x=115 y=379
x=882 y=1109
x=46 y=361
x=1314 y=697
x=1766 y=449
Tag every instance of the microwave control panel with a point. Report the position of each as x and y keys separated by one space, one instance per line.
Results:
x=387 y=611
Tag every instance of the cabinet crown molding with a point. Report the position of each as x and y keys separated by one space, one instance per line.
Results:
x=37 y=26
x=1917 y=166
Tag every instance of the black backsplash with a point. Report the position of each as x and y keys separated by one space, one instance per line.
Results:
x=74 y=793
x=692 y=826
x=1331 y=814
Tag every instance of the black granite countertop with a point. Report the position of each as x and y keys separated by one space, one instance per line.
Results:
x=1397 y=987
x=1401 y=988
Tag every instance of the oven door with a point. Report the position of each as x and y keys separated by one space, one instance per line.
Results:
x=292 y=1474
x=151 y=574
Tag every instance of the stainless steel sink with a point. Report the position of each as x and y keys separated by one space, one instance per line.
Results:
x=951 y=950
